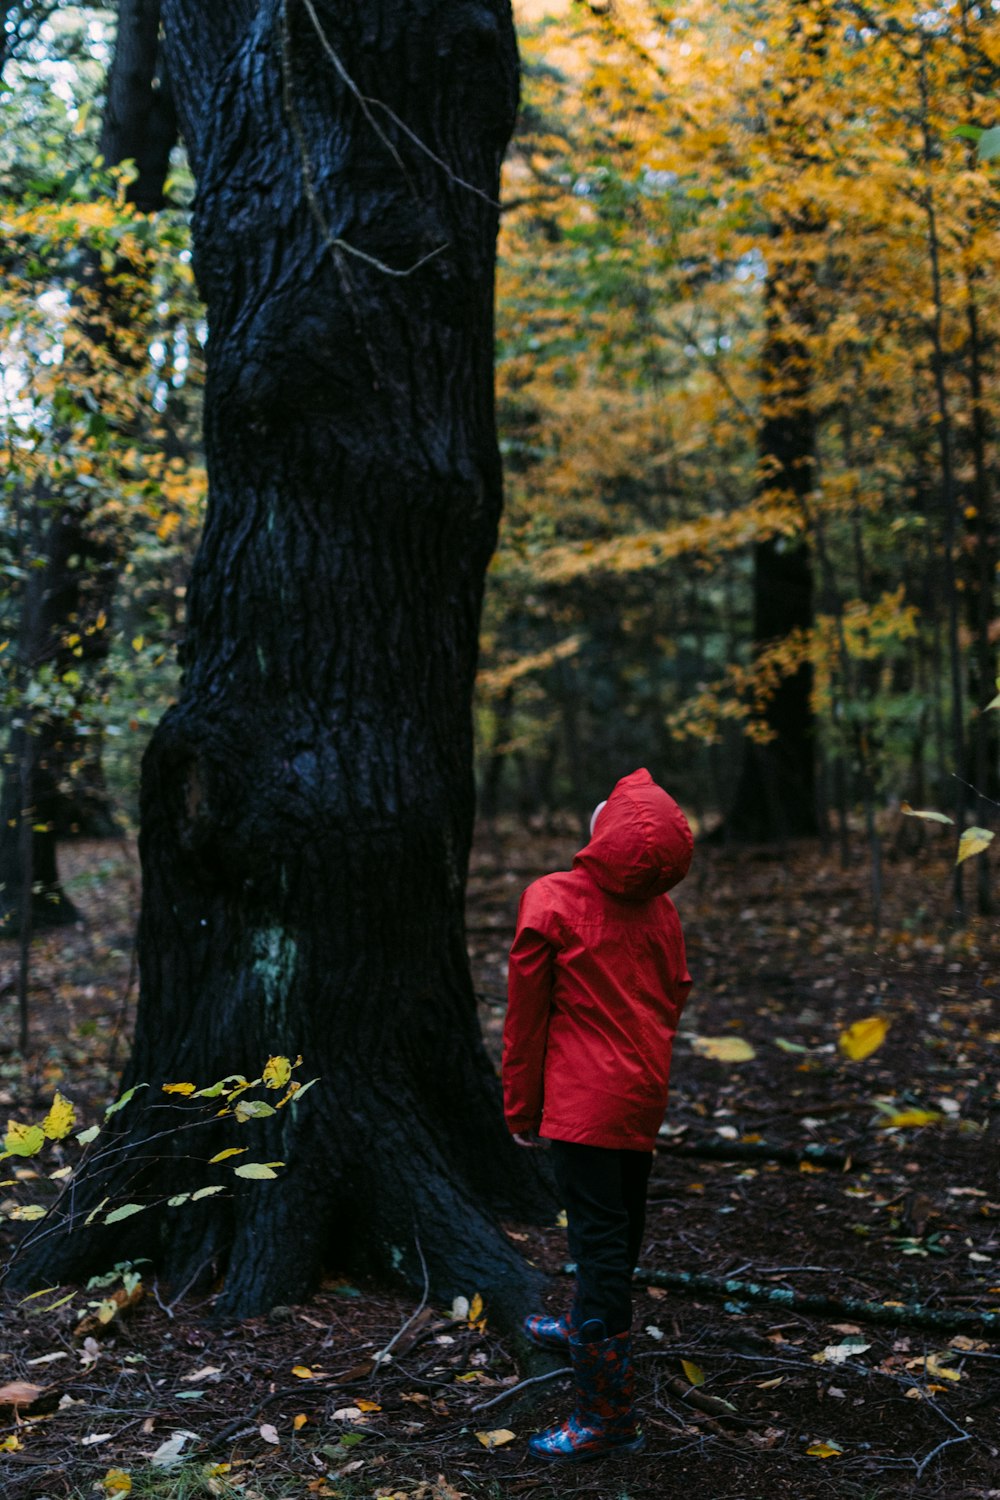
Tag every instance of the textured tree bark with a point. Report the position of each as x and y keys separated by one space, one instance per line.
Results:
x=307 y=804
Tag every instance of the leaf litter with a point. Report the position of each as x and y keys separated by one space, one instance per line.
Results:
x=909 y=1095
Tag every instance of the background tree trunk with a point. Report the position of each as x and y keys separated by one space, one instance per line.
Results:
x=775 y=795
x=81 y=560
x=307 y=805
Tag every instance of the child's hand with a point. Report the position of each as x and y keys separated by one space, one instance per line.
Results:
x=531 y=1139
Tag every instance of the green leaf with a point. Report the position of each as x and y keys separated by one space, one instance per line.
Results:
x=113 y=1109
x=125 y=1212
x=252 y=1109
x=254 y=1169
x=968 y=132
x=989 y=144
x=207 y=1192
x=930 y=817
x=86 y=1136
x=177 y=1200
x=23 y=1140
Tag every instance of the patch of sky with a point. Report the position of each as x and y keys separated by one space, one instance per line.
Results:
x=751 y=267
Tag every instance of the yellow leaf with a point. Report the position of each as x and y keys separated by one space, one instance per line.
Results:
x=178 y=1088
x=364 y=1405
x=732 y=1049
x=229 y=1151
x=973 y=841
x=257 y=1169
x=10 y=1444
x=905 y=1118
x=475 y=1308
x=824 y=1450
x=302 y=1371
x=862 y=1038
x=931 y=817
x=117 y=1482
x=60 y=1119
x=23 y=1140
x=933 y=1366
x=694 y=1373
x=299 y=1421
x=137 y=642
x=277 y=1071
x=496 y=1438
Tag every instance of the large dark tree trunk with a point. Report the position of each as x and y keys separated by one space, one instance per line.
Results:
x=307 y=805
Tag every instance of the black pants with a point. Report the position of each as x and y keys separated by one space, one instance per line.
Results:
x=604 y=1194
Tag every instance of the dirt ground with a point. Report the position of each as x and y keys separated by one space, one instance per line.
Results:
x=742 y=1398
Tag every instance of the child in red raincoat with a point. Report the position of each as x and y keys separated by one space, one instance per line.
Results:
x=597 y=983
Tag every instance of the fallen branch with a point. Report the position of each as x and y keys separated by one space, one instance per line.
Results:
x=841 y=1159
x=914 y=1314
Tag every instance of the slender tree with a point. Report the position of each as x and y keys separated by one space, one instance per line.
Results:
x=76 y=557
x=307 y=804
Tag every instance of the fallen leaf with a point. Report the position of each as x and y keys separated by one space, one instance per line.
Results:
x=346 y=1414
x=269 y=1433
x=905 y=1119
x=933 y=1366
x=496 y=1438
x=302 y=1371
x=838 y=1354
x=824 y=1450
x=863 y=1037
x=475 y=1308
x=203 y=1373
x=694 y=1373
x=20 y=1393
x=364 y=1405
x=733 y=1049
x=10 y=1444
x=300 y=1421
x=170 y=1452
x=117 y=1482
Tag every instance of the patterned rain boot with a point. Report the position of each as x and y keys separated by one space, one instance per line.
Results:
x=549 y=1333
x=604 y=1418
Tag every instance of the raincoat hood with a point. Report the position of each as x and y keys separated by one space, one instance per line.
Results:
x=641 y=845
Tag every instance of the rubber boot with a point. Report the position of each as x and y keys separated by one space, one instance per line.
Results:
x=549 y=1333
x=604 y=1419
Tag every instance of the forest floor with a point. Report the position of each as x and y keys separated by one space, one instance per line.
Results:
x=742 y=1398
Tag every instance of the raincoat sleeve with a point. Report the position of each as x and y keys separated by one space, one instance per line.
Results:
x=530 y=979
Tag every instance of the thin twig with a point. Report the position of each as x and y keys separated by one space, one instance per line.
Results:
x=521 y=1385
x=334 y=241
x=368 y=103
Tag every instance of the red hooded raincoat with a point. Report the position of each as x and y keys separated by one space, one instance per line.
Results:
x=598 y=979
